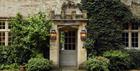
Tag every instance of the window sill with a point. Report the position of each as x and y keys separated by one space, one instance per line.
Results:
x=132 y=48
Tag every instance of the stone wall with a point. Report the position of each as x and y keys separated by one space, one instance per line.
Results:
x=135 y=8
x=9 y=8
x=134 y=5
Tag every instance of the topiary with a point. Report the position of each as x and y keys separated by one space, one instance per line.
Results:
x=97 y=63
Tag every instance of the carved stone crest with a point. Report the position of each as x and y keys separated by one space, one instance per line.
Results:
x=69 y=4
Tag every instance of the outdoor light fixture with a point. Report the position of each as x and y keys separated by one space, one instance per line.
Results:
x=53 y=35
x=83 y=35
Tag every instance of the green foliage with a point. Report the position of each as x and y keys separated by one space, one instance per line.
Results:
x=116 y=53
x=106 y=18
x=10 y=67
x=22 y=54
x=38 y=64
x=30 y=35
x=113 y=60
x=30 y=32
x=98 y=63
x=135 y=58
x=7 y=55
x=119 y=60
x=10 y=54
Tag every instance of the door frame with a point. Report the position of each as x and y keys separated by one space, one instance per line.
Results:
x=68 y=28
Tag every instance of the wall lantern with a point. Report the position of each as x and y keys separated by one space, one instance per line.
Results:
x=83 y=35
x=53 y=35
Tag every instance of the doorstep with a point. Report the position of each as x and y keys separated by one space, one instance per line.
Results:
x=68 y=69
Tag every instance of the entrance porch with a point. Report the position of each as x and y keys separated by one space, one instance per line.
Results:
x=67 y=44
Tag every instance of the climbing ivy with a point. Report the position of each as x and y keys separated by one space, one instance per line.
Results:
x=106 y=18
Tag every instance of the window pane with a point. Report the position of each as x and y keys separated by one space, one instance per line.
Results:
x=125 y=38
x=2 y=38
x=9 y=26
x=134 y=39
x=69 y=39
x=73 y=47
x=9 y=38
x=2 y=25
x=134 y=26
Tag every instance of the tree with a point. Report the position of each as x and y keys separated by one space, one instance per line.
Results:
x=106 y=18
x=30 y=35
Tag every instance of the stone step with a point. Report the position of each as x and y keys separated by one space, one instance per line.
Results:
x=68 y=68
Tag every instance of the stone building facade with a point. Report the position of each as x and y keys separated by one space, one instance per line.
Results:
x=9 y=8
x=69 y=23
x=134 y=6
x=131 y=33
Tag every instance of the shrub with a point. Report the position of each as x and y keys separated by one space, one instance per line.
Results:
x=31 y=35
x=38 y=64
x=10 y=67
x=13 y=54
x=119 y=60
x=97 y=63
x=23 y=54
x=135 y=58
x=7 y=55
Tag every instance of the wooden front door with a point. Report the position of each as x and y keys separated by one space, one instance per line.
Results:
x=68 y=53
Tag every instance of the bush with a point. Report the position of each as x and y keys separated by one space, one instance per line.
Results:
x=119 y=60
x=23 y=54
x=97 y=63
x=10 y=67
x=135 y=58
x=38 y=64
x=7 y=55
x=13 y=54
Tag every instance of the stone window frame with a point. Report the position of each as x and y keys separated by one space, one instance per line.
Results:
x=6 y=30
x=129 y=30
